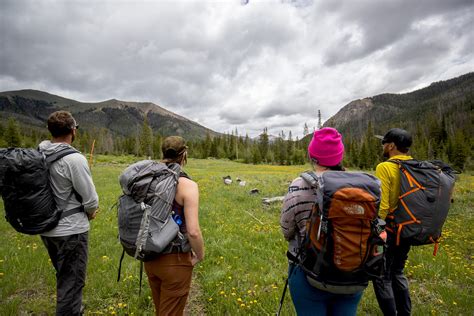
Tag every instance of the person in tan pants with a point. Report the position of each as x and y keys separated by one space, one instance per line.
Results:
x=169 y=275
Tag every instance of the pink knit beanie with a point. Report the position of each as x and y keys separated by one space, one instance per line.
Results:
x=326 y=147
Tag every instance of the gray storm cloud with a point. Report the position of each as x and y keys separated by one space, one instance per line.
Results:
x=233 y=65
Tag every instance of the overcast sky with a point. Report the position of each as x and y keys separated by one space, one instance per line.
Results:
x=227 y=64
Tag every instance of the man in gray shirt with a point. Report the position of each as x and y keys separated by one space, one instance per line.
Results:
x=72 y=186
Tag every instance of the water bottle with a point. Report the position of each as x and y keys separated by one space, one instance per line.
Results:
x=177 y=219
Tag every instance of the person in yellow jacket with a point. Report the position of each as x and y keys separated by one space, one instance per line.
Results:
x=392 y=290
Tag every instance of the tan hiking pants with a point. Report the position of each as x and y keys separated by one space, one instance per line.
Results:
x=170 y=280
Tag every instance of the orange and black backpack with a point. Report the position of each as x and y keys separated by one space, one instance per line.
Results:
x=345 y=241
x=425 y=197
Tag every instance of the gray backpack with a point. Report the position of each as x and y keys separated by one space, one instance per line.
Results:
x=145 y=222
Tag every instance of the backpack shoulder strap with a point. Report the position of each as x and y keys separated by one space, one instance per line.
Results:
x=311 y=178
x=184 y=175
x=397 y=161
x=60 y=154
x=176 y=168
x=55 y=157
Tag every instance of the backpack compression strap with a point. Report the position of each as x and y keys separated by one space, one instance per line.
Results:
x=416 y=186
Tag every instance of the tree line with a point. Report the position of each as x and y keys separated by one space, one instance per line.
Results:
x=433 y=139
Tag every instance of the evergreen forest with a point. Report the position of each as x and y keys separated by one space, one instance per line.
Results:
x=435 y=137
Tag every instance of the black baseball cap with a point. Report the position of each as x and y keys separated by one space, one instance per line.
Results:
x=400 y=137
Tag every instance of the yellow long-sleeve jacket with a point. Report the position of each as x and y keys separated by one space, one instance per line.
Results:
x=389 y=175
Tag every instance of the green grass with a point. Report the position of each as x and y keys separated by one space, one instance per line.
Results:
x=245 y=266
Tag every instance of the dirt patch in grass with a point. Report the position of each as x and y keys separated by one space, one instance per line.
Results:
x=194 y=305
x=25 y=294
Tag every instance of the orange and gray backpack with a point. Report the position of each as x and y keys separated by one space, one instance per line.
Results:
x=425 y=197
x=345 y=241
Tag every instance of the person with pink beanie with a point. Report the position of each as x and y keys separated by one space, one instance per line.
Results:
x=325 y=152
x=326 y=148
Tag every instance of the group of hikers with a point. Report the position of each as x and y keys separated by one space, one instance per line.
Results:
x=335 y=247
x=326 y=152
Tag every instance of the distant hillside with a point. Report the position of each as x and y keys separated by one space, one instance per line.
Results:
x=121 y=118
x=451 y=100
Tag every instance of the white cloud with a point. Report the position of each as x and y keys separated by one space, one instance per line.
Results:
x=228 y=65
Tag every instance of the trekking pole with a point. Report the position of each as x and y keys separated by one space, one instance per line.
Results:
x=282 y=297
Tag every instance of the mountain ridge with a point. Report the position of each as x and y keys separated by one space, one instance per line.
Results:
x=389 y=109
x=122 y=118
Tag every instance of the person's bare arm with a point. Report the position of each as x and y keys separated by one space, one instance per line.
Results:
x=188 y=195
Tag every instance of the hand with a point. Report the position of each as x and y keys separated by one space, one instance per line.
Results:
x=195 y=259
x=93 y=215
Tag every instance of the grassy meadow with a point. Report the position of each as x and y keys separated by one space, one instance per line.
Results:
x=245 y=266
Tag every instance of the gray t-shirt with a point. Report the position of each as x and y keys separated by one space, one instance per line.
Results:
x=68 y=173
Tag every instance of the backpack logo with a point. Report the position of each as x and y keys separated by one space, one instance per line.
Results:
x=354 y=209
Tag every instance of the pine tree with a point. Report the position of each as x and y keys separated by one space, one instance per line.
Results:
x=305 y=129
x=363 y=156
x=290 y=148
x=157 y=154
x=213 y=150
x=320 y=124
x=146 y=139
x=373 y=147
x=459 y=151
x=207 y=146
x=263 y=144
x=256 y=156
x=12 y=135
x=104 y=141
x=232 y=147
